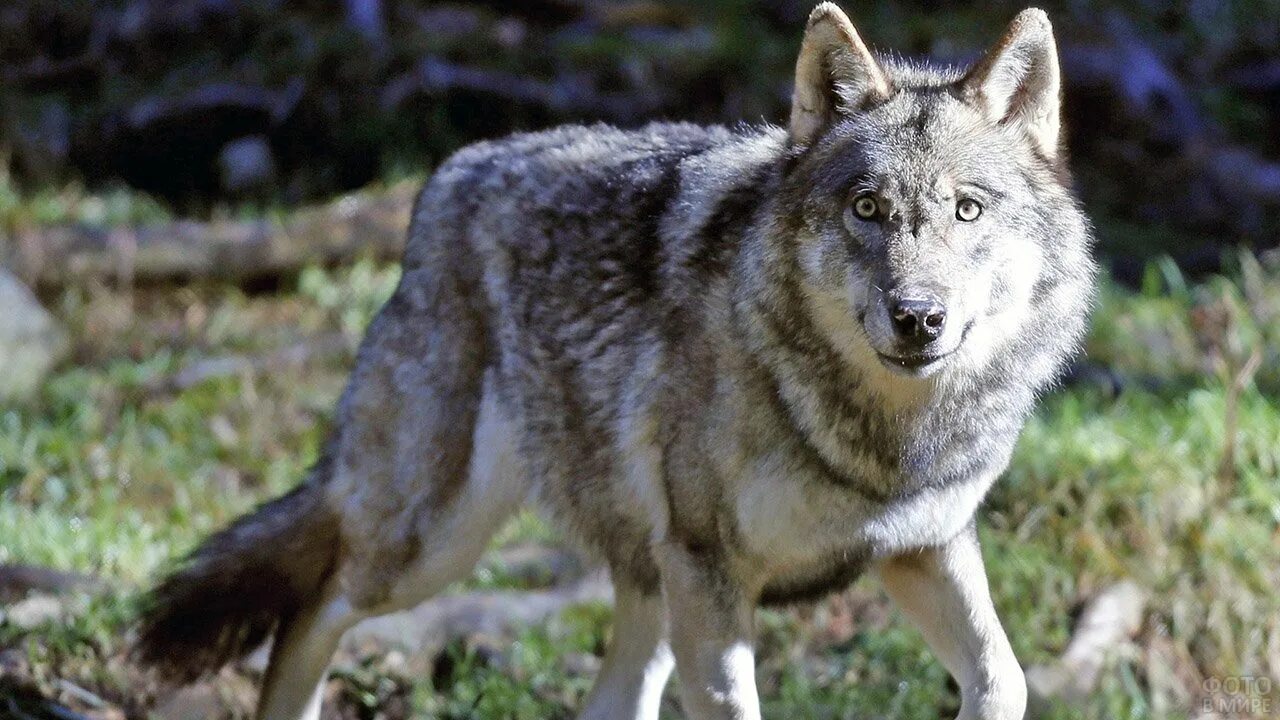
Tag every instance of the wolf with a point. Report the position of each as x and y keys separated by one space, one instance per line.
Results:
x=742 y=365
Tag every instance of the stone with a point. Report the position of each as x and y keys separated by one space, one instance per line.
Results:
x=247 y=164
x=31 y=341
x=33 y=612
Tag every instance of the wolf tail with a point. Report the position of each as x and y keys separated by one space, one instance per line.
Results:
x=227 y=596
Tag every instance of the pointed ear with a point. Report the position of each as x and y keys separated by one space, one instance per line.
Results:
x=835 y=73
x=1018 y=81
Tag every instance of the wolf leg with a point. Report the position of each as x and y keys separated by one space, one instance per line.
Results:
x=944 y=592
x=422 y=475
x=638 y=662
x=304 y=644
x=455 y=535
x=711 y=634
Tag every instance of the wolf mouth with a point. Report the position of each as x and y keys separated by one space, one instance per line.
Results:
x=917 y=364
x=913 y=363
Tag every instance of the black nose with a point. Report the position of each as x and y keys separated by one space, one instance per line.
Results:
x=918 y=320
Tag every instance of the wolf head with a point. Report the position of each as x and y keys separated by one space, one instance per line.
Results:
x=931 y=209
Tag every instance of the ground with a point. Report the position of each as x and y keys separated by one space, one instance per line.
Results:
x=140 y=445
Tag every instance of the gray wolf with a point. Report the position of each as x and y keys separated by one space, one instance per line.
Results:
x=741 y=365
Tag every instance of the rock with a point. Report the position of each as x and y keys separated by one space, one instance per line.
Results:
x=227 y=694
x=22 y=699
x=33 y=612
x=366 y=17
x=43 y=146
x=14 y=663
x=191 y=703
x=246 y=164
x=581 y=664
x=31 y=341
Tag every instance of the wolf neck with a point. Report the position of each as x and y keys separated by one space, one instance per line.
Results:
x=882 y=435
x=880 y=439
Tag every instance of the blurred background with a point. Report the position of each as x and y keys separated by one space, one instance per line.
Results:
x=201 y=204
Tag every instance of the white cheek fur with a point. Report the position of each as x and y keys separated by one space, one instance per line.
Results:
x=994 y=326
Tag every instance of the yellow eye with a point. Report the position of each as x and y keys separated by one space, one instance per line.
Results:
x=968 y=210
x=866 y=207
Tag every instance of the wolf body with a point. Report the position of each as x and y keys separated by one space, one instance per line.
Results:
x=743 y=365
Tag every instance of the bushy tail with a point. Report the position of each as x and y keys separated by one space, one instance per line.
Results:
x=225 y=598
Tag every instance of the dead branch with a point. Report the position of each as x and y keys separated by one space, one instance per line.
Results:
x=493 y=614
x=568 y=95
x=359 y=225
x=16 y=581
x=293 y=356
x=1111 y=617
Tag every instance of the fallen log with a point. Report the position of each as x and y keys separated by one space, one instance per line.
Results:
x=294 y=356
x=425 y=630
x=566 y=96
x=1109 y=619
x=367 y=224
x=429 y=627
x=17 y=581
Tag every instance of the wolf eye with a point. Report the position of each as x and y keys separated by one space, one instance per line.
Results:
x=866 y=207
x=968 y=210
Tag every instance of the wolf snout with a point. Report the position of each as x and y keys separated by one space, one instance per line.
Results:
x=918 y=321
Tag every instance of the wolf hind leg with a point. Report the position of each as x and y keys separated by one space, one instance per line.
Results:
x=304 y=645
x=638 y=662
x=455 y=536
x=421 y=474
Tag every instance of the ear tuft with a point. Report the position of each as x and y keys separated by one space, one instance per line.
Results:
x=827 y=12
x=835 y=73
x=1018 y=81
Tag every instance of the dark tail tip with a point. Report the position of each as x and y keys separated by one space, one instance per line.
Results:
x=225 y=598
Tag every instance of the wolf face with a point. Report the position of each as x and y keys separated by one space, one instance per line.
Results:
x=926 y=197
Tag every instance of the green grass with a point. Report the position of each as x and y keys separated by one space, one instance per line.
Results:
x=108 y=475
x=73 y=204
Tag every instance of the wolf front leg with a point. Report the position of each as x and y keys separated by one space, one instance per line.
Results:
x=710 y=618
x=944 y=592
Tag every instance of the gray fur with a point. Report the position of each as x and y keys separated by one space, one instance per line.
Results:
x=682 y=328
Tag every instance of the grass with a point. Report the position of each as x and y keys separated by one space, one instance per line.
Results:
x=72 y=203
x=112 y=473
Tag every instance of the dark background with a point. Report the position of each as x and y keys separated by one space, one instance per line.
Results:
x=1172 y=108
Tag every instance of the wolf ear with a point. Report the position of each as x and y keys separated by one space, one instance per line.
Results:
x=1018 y=81
x=835 y=73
